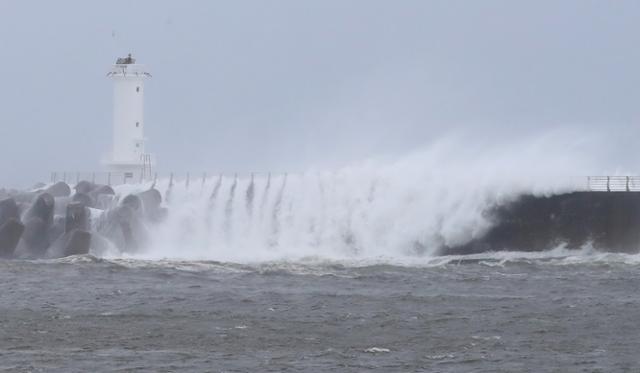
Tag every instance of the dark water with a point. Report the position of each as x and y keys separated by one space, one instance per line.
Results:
x=86 y=314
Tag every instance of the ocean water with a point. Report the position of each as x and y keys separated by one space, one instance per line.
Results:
x=540 y=312
x=331 y=271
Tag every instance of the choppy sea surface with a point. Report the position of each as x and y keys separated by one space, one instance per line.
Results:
x=493 y=313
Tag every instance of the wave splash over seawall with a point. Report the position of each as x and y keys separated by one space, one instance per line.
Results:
x=398 y=209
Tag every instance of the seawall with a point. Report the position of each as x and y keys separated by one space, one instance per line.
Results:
x=609 y=221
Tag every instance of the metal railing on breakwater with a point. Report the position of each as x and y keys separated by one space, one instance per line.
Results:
x=121 y=178
x=613 y=183
x=106 y=178
x=582 y=183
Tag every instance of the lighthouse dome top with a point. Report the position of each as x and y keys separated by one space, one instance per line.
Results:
x=126 y=60
x=126 y=67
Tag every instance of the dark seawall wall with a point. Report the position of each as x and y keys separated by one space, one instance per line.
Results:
x=610 y=221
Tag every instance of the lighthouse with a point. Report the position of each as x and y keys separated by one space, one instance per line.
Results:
x=128 y=153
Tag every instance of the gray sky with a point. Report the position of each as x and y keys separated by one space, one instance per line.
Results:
x=285 y=85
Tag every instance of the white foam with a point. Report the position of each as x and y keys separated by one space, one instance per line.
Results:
x=397 y=211
x=376 y=350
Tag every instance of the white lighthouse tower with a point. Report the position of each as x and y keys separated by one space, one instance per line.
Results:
x=128 y=153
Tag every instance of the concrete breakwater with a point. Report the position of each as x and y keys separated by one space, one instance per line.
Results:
x=59 y=221
x=608 y=221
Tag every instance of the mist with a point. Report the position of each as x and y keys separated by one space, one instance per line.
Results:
x=399 y=209
x=289 y=86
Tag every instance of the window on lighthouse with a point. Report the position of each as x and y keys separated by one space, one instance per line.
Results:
x=137 y=89
x=137 y=124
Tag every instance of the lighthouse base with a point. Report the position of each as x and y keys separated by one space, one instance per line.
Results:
x=129 y=172
x=125 y=167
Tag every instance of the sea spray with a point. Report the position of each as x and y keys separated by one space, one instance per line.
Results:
x=404 y=207
x=228 y=210
x=265 y=196
x=249 y=197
